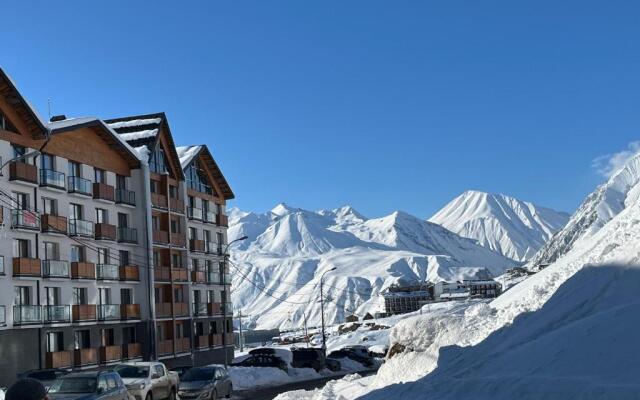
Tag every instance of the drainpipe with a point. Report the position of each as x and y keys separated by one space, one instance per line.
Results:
x=146 y=207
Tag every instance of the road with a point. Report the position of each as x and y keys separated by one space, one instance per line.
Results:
x=270 y=393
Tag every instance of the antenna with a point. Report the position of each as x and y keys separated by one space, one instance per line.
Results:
x=49 y=106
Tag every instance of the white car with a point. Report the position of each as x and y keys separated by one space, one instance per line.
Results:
x=149 y=380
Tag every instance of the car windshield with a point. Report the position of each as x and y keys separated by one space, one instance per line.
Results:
x=74 y=385
x=132 y=371
x=198 y=374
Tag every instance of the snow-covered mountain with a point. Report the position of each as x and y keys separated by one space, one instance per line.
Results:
x=514 y=228
x=277 y=270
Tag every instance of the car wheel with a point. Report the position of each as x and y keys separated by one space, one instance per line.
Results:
x=214 y=395
x=230 y=391
x=172 y=395
x=148 y=397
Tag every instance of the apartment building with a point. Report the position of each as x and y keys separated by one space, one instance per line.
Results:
x=95 y=265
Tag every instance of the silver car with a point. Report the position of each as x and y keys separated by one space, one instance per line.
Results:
x=210 y=382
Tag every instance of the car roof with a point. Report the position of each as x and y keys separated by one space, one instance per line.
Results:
x=85 y=374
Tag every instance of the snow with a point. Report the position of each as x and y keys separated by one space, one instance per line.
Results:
x=244 y=378
x=187 y=153
x=148 y=133
x=516 y=229
x=135 y=122
x=290 y=248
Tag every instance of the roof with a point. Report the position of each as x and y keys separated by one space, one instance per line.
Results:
x=8 y=88
x=188 y=153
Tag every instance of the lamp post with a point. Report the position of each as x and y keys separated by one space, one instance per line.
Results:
x=31 y=154
x=224 y=304
x=324 y=340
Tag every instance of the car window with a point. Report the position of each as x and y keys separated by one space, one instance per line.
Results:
x=159 y=370
x=119 y=382
x=43 y=375
x=102 y=383
x=111 y=382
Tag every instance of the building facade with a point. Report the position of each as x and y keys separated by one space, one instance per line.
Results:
x=95 y=262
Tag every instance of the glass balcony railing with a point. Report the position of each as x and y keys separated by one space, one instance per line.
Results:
x=209 y=216
x=211 y=247
x=25 y=219
x=194 y=213
x=200 y=309
x=108 y=312
x=3 y=315
x=124 y=196
x=26 y=314
x=56 y=313
x=227 y=308
x=79 y=227
x=55 y=269
x=75 y=184
x=226 y=279
x=49 y=177
x=108 y=272
x=127 y=235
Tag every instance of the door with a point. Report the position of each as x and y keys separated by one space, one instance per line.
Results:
x=160 y=382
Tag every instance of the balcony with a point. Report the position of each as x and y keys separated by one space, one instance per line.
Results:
x=108 y=312
x=131 y=350
x=180 y=309
x=200 y=309
x=213 y=278
x=194 y=213
x=83 y=270
x=229 y=339
x=83 y=357
x=108 y=272
x=76 y=184
x=24 y=315
x=23 y=266
x=127 y=235
x=160 y=237
x=51 y=178
x=163 y=310
x=110 y=354
x=126 y=197
x=176 y=205
x=215 y=339
x=222 y=220
x=55 y=269
x=19 y=171
x=202 y=341
x=102 y=191
x=129 y=273
x=177 y=239
x=130 y=311
x=83 y=312
x=53 y=314
x=24 y=219
x=183 y=345
x=3 y=315
x=211 y=247
x=165 y=347
x=196 y=245
x=198 y=277
x=226 y=279
x=162 y=274
x=58 y=359
x=79 y=227
x=53 y=224
x=105 y=231
x=159 y=201
x=179 y=275
x=227 y=308
x=214 y=309
x=209 y=216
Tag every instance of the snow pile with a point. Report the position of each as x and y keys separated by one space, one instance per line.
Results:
x=135 y=122
x=244 y=378
x=187 y=153
x=147 y=133
x=514 y=228
x=277 y=270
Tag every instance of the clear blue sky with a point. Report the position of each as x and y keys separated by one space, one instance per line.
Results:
x=382 y=105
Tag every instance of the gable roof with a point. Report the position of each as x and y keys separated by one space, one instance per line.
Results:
x=8 y=89
x=188 y=153
x=144 y=130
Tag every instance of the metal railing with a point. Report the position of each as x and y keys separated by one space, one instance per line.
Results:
x=127 y=235
x=49 y=177
x=108 y=312
x=24 y=219
x=79 y=227
x=76 y=184
x=200 y=309
x=56 y=313
x=194 y=213
x=108 y=272
x=27 y=314
x=55 y=269
x=210 y=216
x=124 y=196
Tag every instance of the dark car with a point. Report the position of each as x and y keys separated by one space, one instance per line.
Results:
x=44 y=376
x=211 y=382
x=262 y=360
x=344 y=353
x=181 y=370
x=96 y=385
x=308 y=358
x=333 y=364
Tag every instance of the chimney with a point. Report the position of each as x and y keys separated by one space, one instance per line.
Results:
x=56 y=118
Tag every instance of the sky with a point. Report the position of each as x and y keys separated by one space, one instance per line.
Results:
x=383 y=105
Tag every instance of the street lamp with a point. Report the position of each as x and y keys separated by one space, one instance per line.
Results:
x=224 y=304
x=31 y=154
x=324 y=340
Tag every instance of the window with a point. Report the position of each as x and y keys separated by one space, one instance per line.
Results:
x=199 y=329
x=180 y=330
x=49 y=206
x=176 y=260
x=207 y=236
x=82 y=339
x=55 y=342
x=104 y=296
x=23 y=295
x=155 y=186
x=102 y=216
x=173 y=191
x=123 y=257
x=195 y=264
x=205 y=206
x=53 y=296
x=103 y=255
x=213 y=327
x=107 y=337
x=196 y=297
x=21 y=200
x=6 y=125
x=192 y=202
x=100 y=175
x=193 y=234
x=75 y=211
x=157 y=161
x=77 y=253
x=21 y=248
x=196 y=178
x=19 y=151
x=111 y=382
x=74 y=169
x=102 y=384
x=155 y=223
x=1 y=265
x=47 y=162
x=51 y=251
x=126 y=296
x=178 y=295
x=175 y=226
x=129 y=335
x=158 y=370
x=123 y=220
x=156 y=259
x=79 y=295
x=121 y=182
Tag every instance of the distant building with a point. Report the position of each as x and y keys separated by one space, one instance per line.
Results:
x=407 y=297
x=466 y=288
x=351 y=318
x=367 y=317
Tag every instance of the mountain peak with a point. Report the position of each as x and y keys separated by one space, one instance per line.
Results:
x=347 y=211
x=283 y=209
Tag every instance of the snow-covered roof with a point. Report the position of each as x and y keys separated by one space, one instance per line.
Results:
x=148 y=133
x=135 y=122
x=28 y=111
x=187 y=154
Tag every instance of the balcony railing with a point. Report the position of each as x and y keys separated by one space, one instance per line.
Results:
x=163 y=310
x=129 y=273
x=158 y=200
x=55 y=269
x=3 y=315
x=79 y=227
x=83 y=312
x=127 y=235
x=102 y=191
x=226 y=279
x=196 y=245
x=23 y=266
x=202 y=341
x=227 y=308
x=213 y=277
x=76 y=184
x=181 y=309
x=53 y=224
x=182 y=345
x=160 y=237
x=194 y=213
x=209 y=216
x=198 y=277
x=200 y=309
x=214 y=309
x=222 y=220
x=177 y=239
x=110 y=354
x=24 y=219
x=56 y=314
x=51 y=178
x=165 y=347
x=179 y=274
x=124 y=196
x=108 y=272
x=19 y=171
x=215 y=339
x=130 y=311
x=131 y=350
x=211 y=247
x=162 y=274
x=105 y=231
x=108 y=312
x=83 y=270
x=176 y=205
x=88 y=356
x=58 y=359
x=23 y=315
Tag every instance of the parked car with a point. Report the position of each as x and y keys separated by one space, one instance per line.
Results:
x=149 y=380
x=210 y=382
x=96 y=385
x=308 y=358
x=181 y=370
x=333 y=364
x=44 y=376
x=261 y=360
x=344 y=353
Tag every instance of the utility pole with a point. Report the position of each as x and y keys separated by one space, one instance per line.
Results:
x=240 y=337
x=324 y=338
